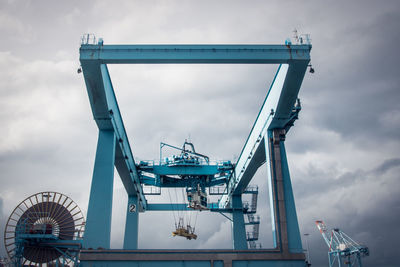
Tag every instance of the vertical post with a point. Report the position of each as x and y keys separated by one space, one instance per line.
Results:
x=273 y=203
x=339 y=259
x=238 y=226
x=131 y=224
x=330 y=259
x=359 y=259
x=98 y=223
x=285 y=225
x=293 y=231
x=308 y=249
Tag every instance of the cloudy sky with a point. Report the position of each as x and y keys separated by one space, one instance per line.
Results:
x=343 y=151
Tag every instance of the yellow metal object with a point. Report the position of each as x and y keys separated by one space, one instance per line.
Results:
x=184 y=233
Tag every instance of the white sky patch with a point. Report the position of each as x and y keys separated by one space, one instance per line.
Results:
x=14 y=28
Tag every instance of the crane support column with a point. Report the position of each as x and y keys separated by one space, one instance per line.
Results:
x=283 y=209
x=98 y=224
x=238 y=226
x=132 y=224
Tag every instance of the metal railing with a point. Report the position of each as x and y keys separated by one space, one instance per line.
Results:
x=199 y=161
x=88 y=39
x=253 y=219
x=151 y=190
x=217 y=190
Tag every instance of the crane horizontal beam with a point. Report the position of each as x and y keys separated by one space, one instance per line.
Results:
x=183 y=170
x=168 y=206
x=213 y=207
x=166 y=181
x=194 y=54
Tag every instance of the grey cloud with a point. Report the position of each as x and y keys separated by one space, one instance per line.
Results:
x=350 y=90
x=3 y=221
x=319 y=181
x=359 y=227
x=367 y=199
x=386 y=166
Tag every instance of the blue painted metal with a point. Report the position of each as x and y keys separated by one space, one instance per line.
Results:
x=44 y=229
x=286 y=234
x=194 y=54
x=45 y=240
x=272 y=194
x=164 y=173
x=238 y=226
x=124 y=161
x=167 y=206
x=107 y=116
x=98 y=223
x=191 y=258
x=276 y=112
x=293 y=232
x=188 y=169
x=264 y=143
x=167 y=181
x=132 y=224
x=213 y=207
x=185 y=169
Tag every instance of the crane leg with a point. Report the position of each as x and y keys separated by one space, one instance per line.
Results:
x=283 y=210
x=132 y=224
x=98 y=224
x=238 y=226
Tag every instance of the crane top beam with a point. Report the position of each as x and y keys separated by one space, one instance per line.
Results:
x=194 y=54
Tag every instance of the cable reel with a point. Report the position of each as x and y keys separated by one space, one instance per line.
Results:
x=45 y=229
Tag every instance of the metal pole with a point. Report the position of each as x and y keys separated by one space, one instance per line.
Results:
x=308 y=248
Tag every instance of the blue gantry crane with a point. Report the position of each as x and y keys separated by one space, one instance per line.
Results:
x=343 y=251
x=191 y=170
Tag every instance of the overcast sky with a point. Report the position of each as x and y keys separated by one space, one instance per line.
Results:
x=343 y=152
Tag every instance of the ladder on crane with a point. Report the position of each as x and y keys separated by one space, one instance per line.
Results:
x=343 y=251
x=252 y=220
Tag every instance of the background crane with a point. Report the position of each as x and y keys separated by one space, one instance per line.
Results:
x=343 y=251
